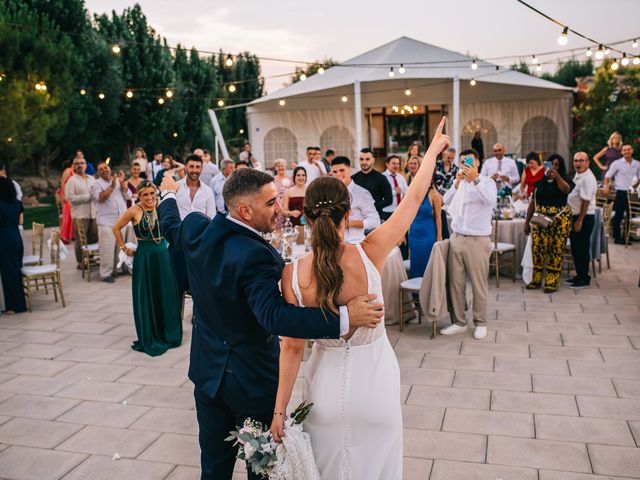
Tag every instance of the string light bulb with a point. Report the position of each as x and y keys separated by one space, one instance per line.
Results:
x=303 y=77
x=395 y=108
x=115 y=48
x=83 y=91
x=615 y=65
x=473 y=82
x=9 y=140
x=534 y=60
x=564 y=36
x=161 y=101
x=634 y=44
x=229 y=61
x=474 y=65
x=636 y=60
x=168 y=93
x=391 y=73
x=625 y=60
x=588 y=53
x=101 y=96
x=538 y=68
x=175 y=134
x=321 y=71
x=607 y=51
x=129 y=94
x=407 y=92
x=220 y=103
x=38 y=87
x=232 y=88
x=241 y=131
x=282 y=103
x=600 y=53
x=401 y=69
x=344 y=99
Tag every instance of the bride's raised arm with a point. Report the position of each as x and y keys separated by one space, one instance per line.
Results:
x=379 y=243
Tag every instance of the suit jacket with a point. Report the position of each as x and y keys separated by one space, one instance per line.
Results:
x=434 y=292
x=233 y=274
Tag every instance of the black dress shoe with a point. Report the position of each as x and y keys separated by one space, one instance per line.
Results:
x=619 y=241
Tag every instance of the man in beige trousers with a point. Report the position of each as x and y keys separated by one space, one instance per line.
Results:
x=470 y=243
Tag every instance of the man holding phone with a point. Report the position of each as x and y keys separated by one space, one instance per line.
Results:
x=470 y=244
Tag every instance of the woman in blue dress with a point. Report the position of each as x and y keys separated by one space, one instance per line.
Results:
x=11 y=247
x=425 y=230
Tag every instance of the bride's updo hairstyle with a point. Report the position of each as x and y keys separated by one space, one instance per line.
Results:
x=326 y=202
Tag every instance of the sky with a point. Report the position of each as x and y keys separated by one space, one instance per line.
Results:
x=342 y=29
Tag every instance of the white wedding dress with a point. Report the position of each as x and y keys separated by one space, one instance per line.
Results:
x=356 y=421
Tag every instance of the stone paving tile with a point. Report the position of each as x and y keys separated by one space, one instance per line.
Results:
x=587 y=430
x=94 y=328
x=174 y=448
x=559 y=327
x=35 y=324
x=94 y=371
x=494 y=349
x=444 y=445
x=635 y=430
x=611 y=341
x=34 y=350
x=107 y=441
x=426 y=345
x=138 y=359
x=533 y=403
x=614 y=309
x=124 y=330
x=627 y=388
x=567 y=353
x=529 y=338
x=4 y=377
x=449 y=397
x=573 y=385
x=493 y=380
x=169 y=397
x=416 y=468
x=488 y=422
x=96 y=355
x=32 y=336
x=542 y=317
x=635 y=341
x=447 y=470
x=168 y=420
x=154 y=376
x=572 y=457
x=405 y=359
x=31 y=384
x=458 y=362
x=587 y=317
x=103 y=414
x=26 y=463
x=604 y=370
x=191 y=473
x=87 y=340
x=508 y=325
x=427 y=376
x=33 y=366
x=555 y=475
x=627 y=330
x=553 y=307
x=33 y=406
x=103 y=468
x=36 y=433
x=620 y=355
x=531 y=365
x=612 y=408
x=610 y=460
x=98 y=391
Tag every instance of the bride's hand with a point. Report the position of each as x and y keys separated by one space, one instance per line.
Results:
x=277 y=427
x=440 y=141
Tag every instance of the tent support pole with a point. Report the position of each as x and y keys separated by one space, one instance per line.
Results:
x=218 y=134
x=357 y=107
x=455 y=124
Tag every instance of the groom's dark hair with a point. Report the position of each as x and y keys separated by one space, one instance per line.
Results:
x=246 y=181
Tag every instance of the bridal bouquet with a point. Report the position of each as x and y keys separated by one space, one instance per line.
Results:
x=291 y=459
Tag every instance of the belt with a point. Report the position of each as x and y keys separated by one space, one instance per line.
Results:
x=473 y=236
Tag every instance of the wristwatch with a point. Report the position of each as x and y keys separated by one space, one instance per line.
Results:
x=164 y=193
x=476 y=181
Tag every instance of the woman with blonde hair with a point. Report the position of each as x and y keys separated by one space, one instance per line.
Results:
x=611 y=152
x=140 y=157
x=413 y=164
x=355 y=424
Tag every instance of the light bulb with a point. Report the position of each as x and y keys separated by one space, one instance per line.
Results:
x=634 y=44
x=607 y=51
x=564 y=37
x=83 y=91
x=321 y=71
x=232 y=88
x=229 y=61
x=395 y=108
x=600 y=53
x=115 y=48
x=407 y=92
x=625 y=60
x=391 y=72
x=303 y=77
x=175 y=134
x=169 y=93
x=221 y=103
x=538 y=68
x=282 y=103
x=161 y=101
x=9 y=140
x=636 y=60
x=38 y=86
x=129 y=94
x=474 y=65
x=588 y=53
x=534 y=60
x=101 y=96
x=344 y=99
x=401 y=69
x=241 y=131
x=614 y=65
x=473 y=82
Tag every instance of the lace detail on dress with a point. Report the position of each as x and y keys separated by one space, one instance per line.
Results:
x=363 y=335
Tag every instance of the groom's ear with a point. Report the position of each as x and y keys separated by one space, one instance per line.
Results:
x=245 y=212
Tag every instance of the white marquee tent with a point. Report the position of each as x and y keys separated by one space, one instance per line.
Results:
x=355 y=103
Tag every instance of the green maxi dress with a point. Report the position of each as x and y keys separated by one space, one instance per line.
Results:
x=156 y=305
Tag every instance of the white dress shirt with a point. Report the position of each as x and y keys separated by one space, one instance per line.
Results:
x=217 y=184
x=153 y=168
x=585 y=188
x=624 y=173
x=477 y=208
x=142 y=162
x=506 y=166
x=402 y=183
x=109 y=210
x=362 y=208
x=209 y=170
x=18 y=191
x=312 y=170
x=202 y=200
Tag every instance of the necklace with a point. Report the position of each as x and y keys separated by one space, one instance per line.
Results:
x=150 y=219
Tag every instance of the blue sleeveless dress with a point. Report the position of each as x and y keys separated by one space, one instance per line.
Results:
x=422 y=236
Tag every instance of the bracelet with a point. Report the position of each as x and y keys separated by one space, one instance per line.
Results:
x=278 y=413
x=123 y=247
x=166 y=192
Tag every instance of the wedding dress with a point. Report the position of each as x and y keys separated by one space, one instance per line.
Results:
x=356 y=421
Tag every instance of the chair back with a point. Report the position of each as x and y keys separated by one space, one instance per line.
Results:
x=494 y=234
x=634 y=204
x=55 y=247
x=37 y=239
x=607 y=213
x=58 y=208
x=602 y=198
x=82 y=235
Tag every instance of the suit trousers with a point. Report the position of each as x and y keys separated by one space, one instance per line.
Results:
x=108 y=251
x=222 y=414
x=620 y=206
x=469 y=255
x=91 y=230
x=581 y=247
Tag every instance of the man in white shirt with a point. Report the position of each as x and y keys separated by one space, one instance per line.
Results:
x=246 y=155
x=503 y=170
x=363 y=215
x=625 y=172
x=110 y=194
x=582 y=201
x=209 y=169
x=398 y=184
x=78 y=192
x=196 y=196
x=154 y=166
x=217 y=184
x=313 y=166
x=470 y=244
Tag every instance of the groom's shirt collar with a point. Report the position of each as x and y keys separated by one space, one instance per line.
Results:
x=248 y=227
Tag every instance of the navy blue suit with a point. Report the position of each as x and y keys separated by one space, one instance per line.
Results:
x=233 y=274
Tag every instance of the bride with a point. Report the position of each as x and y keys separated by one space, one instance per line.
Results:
x=354 y=382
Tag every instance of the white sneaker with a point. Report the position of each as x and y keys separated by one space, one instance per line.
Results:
x=479 y=333
x=453 y=329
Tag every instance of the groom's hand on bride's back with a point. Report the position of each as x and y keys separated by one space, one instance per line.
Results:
x=365 y=314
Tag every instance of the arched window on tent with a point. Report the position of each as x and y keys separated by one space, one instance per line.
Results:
x=540 y=134
x=487 y=133
x=280 y=142
x=338 y=138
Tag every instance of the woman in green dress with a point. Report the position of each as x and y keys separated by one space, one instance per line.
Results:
x=156 y=304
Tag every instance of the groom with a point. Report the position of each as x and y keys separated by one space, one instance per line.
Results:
x=234 y=273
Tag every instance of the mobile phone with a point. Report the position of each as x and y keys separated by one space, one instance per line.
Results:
x=468 y=161
x=547 y=166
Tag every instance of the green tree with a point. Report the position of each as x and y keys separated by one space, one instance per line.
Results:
x=312 y=69
x=521 y=66
x=568 y=71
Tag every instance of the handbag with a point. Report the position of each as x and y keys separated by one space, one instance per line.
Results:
x=542 y=220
